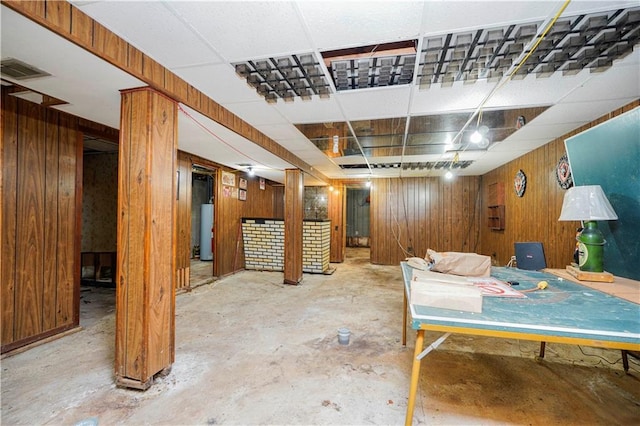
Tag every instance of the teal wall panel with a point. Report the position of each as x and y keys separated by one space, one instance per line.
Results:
x=609 y=155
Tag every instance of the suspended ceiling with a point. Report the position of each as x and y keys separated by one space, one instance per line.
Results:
x=402 y=85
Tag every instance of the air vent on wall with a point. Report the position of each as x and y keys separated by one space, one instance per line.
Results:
x=19 y=70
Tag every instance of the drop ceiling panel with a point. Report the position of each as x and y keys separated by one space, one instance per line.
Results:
x=284 y=132
x=165 y=37
x=318 y=110
x=456 y=98
x=334 y=25
x=537 y=91
x=219 y=82
x=258 y=112
x=301 y=149
x=542 y=132
x=375 y=103
x=578 y=112
x=491 y=157
x=460 y=15
x=515 y=146
x=247 y=30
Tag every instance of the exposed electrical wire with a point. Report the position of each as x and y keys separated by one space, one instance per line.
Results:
x=406 y=217
x=207 y=130
x=473 y=216
x=397 y=236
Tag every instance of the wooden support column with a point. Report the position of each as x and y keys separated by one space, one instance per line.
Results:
x=145 y=291
x=336 y=215
x=293 y=222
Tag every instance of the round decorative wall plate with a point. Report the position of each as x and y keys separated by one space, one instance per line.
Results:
x=563 y=173
x=520 y=183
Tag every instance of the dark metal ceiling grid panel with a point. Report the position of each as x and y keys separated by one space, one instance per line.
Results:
x=365 y=73
x=285 y=77
x=575 y=43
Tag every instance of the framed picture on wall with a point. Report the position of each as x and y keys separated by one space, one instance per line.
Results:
x=242 y=195
x=242 y=183
x=234 y=192
x=262 y=184
x=226 y=191
x=228 y=179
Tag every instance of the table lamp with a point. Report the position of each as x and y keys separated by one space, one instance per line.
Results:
x=588 y=204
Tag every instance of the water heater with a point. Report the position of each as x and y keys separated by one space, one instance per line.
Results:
x=206 y=232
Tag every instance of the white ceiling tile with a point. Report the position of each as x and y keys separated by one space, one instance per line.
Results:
x=305 y=151
x=578 y=112
x=460 y=15
x=541 y=132
x=314 y=111
x=533 y=91
x=458 y=97
x=334 y=25
x=493 y=159
x=165 y=38
x=219 y=82
x=367 y=104
x=257 y=113
x=516 y=146
x=247 y=30
x=283 y=131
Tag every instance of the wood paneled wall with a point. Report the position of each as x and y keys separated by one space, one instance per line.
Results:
x=337 y=215
x=534 y=217
x=183 y=225
x=410 y=215
x=278 y=202
x=40 y=221
x=229 y=253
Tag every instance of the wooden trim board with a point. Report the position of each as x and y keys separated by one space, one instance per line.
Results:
x=624 y=288
x=605 y=277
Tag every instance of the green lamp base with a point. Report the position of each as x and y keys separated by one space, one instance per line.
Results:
x=591 y=248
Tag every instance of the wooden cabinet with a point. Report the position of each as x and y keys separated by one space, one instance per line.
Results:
x=495 y=207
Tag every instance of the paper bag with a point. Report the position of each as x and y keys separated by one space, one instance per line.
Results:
x=467 y=264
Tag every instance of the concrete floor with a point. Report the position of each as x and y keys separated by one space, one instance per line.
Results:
x=251 y=350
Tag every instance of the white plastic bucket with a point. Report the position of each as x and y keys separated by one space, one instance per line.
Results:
x=343 y=335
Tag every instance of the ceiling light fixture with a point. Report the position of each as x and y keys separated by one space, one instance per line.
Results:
x=476 y=137
x=251 y=172
x=336 y=144
x=368 y=183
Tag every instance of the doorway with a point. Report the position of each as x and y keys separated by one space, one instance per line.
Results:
x=203 y=184
x=358 y=220
x=98 y=243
